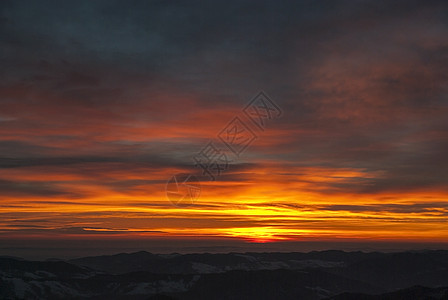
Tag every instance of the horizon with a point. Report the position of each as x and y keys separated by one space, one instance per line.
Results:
x=76 y=248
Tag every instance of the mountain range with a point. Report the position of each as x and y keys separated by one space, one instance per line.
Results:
x=332 y=274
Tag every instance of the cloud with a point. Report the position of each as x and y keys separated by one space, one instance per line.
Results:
x=101 y=102
x=23 y=188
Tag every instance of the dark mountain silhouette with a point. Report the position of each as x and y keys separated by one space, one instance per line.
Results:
x=415 y=292
x=314 y=275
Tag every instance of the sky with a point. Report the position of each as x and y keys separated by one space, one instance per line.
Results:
x=103 y=102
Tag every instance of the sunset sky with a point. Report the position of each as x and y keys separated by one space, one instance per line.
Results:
x=101 y=102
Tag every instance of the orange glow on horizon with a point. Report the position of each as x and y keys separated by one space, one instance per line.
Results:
x=268 y=206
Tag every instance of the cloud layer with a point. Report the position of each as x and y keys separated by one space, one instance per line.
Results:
x=101 y=102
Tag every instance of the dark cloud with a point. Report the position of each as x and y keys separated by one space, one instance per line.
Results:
x=69 y=230
x=429 y=207
x=101 y=98
x=32 y=188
